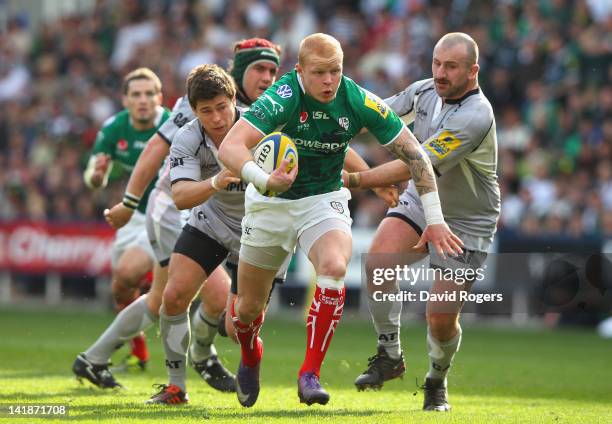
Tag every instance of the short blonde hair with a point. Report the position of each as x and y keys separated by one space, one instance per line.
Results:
x=141 y=73
x=322 y=45
x=453 y=38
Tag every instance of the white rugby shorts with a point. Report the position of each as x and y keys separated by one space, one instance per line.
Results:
x=164 y=224
x=134 y=233
x=276 y=222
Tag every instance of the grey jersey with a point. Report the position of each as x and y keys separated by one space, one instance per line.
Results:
x=181 y=114
x=459 y=138
x=193 y=156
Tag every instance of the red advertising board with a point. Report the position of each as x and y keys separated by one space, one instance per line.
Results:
x=68 y=247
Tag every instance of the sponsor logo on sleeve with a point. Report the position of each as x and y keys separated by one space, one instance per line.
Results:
x=174 y=162
x=443 y=145
x=257 y=112
x=284 y=91
x=274 y=107
x=374 y=103
x=180 y=119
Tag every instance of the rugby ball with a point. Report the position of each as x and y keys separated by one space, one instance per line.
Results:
x=271 y=150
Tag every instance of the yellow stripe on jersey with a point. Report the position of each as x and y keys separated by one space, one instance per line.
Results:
x=377 y=105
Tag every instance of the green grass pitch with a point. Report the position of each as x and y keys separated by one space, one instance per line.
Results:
x=500 y=375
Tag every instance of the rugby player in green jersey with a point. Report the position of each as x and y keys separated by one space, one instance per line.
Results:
x=322 y=111
x=254 y=68
x=120 y=141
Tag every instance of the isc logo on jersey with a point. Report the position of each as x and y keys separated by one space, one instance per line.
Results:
x=271 y=150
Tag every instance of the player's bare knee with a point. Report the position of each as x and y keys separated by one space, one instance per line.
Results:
x=174 y=301
x=248 y=311
x=333 y=267
x=214 y=299
x=212 y=305
x=122 y=293
x=117 y=288
x=128 y=276
x=154 y=301
x=441 y=325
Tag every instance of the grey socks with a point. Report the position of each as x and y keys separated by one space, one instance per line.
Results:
x=135 y=318
x=175 y=336
x=441 y=355
x=204 y=332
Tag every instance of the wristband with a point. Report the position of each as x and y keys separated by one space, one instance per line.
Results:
x=130 y=201
x=213 y=183
x=254 y=174
x=354 y=179
x=432 y=208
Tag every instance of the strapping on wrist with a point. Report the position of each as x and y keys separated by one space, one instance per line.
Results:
x=213 y=183
x=130 y=201
x=432 y=208
x=254 y=174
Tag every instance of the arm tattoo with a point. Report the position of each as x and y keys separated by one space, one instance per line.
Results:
x=407 y=148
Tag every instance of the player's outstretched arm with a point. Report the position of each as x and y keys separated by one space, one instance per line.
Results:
x=147 y=166
x=387 y=174
x=353 y=162
x=354 y=165
x=235 y=153
x=189 y=194
x=407 y=148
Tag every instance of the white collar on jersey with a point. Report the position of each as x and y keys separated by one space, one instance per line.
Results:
x=437 y=108
x=211 y=145
x=300 y=82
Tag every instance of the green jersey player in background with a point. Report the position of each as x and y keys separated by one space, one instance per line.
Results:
x=321 y=110
x=120 y=141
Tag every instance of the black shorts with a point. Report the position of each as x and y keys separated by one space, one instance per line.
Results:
x=206 y=251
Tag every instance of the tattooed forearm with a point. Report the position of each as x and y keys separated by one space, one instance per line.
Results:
x=407 y=148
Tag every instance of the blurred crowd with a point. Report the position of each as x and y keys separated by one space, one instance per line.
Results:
x=546 y=66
